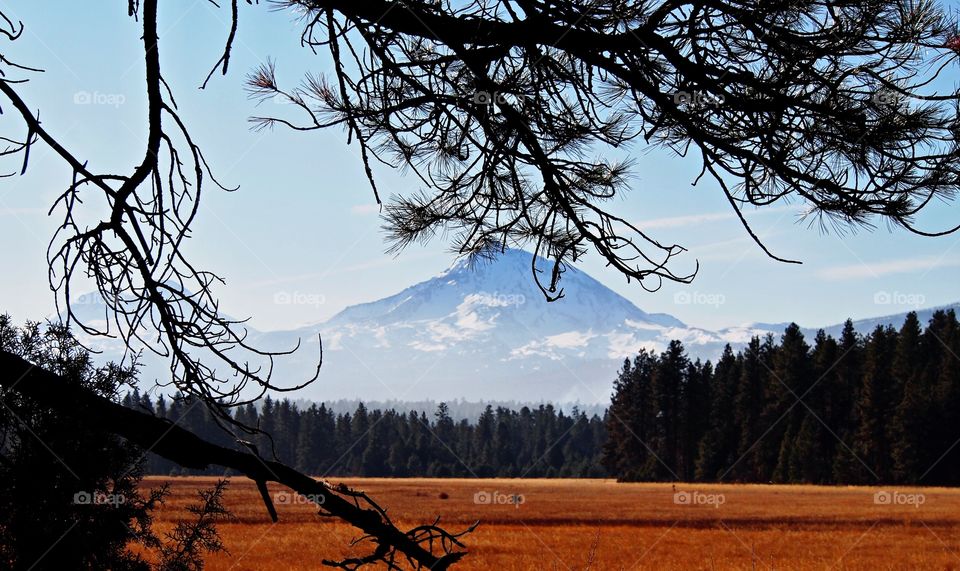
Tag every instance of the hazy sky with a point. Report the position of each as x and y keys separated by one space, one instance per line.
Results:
x=303 y=225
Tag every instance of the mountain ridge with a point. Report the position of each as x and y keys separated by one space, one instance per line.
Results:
x=436 y=338
x=484 y=331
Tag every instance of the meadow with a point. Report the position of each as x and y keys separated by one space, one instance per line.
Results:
x=603 y=525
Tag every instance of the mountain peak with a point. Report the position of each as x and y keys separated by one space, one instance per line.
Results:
x=509 y=259
x=485 y=318
x=504 y=284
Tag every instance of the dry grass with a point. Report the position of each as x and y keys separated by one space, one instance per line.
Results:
x=602 y=525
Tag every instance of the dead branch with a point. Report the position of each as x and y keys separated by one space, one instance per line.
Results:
x=426 y=546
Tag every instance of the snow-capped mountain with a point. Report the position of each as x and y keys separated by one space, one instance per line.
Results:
x=484 y=331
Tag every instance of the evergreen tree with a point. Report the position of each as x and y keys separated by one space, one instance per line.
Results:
x=375 y=454
x=719 y=446
x=695 y=416
x=629 y=421
x=308 y=445
x=843 y=415
x=817 y=436
x=940 y=462
x=359 y=435
x=748 y=407
x=71 y=496
x=325 y=439
x=787 y=387
x=505 y=444
x=667 y=387
x=909 y=398
x=874 y=409
x=483 y=458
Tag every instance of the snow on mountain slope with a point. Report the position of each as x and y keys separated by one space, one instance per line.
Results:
x=486 y=331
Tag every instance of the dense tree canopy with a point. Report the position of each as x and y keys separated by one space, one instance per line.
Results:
x=71 y=497
x=876 y=409
x=534 y=442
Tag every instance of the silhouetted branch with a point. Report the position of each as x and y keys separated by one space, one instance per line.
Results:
x=135 y=257
x=134 y=254
x=505 y=110
x=416 y=547
x=228 y=48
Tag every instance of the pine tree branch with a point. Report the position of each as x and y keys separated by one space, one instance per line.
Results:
x=190 y=451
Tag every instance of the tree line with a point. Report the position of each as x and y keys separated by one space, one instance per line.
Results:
x=862 y=409
x=530 y=442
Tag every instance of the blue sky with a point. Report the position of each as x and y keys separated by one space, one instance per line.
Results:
x=303 y=224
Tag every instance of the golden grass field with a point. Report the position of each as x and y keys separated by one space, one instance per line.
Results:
x=603 y=525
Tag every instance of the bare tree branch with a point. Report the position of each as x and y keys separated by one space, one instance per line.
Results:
x=135 y=256
x=414 y=547
x=157 y=299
